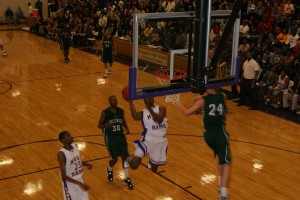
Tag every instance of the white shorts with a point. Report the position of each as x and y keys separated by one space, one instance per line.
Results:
x=157 y=150
x=72 y=191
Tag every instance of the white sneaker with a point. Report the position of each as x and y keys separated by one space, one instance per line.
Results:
x=223 y=198
x=105 y=76
x=109 y=73
x=4 y=53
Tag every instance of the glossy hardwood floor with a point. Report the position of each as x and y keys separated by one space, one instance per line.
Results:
x=41 y=95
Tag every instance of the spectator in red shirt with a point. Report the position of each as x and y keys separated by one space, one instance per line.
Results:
x=282 y=5
x=268 y=14
x=265 y=29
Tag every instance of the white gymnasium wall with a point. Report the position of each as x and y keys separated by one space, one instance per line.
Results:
x=14 y=4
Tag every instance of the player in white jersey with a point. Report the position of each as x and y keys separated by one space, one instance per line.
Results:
x=153 y=141
x=3 y=52
x=71 y=169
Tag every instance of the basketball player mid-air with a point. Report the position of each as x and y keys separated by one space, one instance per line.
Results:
x=153 y=141
x=215 y=135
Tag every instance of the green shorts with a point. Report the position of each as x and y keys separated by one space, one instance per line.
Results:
x=107 y=56
x=116 y=145
x=217 y=140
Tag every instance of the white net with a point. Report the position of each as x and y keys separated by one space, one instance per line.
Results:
x=163 y=76
x=173 y=99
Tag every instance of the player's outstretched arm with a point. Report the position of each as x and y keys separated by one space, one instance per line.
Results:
x=135 y=115
x=199 y=103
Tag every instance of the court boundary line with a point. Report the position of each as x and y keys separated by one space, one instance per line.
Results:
x=171 y=181
x=200 y=136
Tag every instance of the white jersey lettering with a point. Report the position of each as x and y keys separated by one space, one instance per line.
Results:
x=73 y=162
x=153 y=130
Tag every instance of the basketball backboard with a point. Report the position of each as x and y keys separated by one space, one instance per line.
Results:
x=163 y=53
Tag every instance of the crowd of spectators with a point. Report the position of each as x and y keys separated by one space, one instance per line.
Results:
x=269 y=31
x=86 y=17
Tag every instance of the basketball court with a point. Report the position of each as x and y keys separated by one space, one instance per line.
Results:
x=41 y=95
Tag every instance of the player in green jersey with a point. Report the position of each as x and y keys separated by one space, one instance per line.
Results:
x=108 y=49
x=215 y=135
x=112 y=122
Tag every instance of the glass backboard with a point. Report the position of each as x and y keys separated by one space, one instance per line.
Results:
x=163 y=53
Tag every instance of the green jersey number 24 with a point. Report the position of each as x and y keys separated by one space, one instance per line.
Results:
x=214 y=109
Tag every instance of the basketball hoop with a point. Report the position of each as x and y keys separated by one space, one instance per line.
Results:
x=163 y=76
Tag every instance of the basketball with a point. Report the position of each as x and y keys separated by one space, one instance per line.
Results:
x=125 y=93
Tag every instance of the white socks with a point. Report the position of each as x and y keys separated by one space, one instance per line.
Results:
x=223 y=192
x=126 y=173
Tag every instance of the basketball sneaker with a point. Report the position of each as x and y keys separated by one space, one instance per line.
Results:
x=223 y=193
x=224 y=198
x=105 y=76
x=128 y=184
x=110 y=176
x=109 y=73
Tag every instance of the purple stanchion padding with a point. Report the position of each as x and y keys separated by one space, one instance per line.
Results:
x=132 y=88
x=132 y=83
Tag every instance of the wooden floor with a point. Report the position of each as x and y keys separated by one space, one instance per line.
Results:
x=40 y=96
